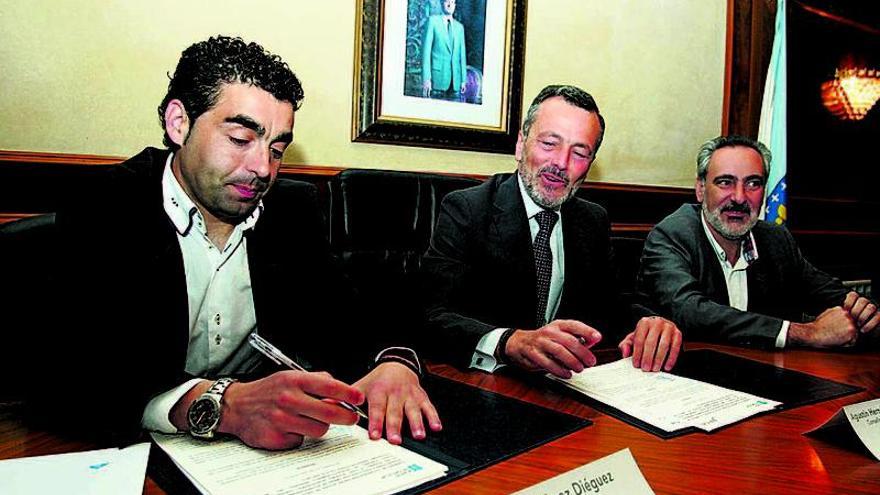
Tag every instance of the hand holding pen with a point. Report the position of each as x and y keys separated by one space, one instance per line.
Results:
x=280 y=410
x=279 y=358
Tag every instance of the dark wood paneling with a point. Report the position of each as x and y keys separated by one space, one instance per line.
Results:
x=841 y=236
x=43 y=177
x=750 y=26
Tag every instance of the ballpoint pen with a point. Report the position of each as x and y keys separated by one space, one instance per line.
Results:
x=278 y=357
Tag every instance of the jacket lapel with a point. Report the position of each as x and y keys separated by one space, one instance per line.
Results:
x=511 y=240
x=576 y=237
x=162 y=250
x=716 y=285
x=447 y=32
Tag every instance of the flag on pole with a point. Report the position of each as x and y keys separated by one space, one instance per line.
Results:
x=772 y=127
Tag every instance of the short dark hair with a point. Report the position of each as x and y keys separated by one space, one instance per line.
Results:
x=571 y=94
x=715 y=144
x=206 y=66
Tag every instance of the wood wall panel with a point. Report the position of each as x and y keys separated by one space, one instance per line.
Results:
x=841 y=236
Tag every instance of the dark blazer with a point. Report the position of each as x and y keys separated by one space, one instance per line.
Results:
x=120 y=334
x=681 y=274
x=479 y=270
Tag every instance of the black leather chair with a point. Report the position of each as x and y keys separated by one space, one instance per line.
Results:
x=627 y=256
x=380 y=224
x=27 y=252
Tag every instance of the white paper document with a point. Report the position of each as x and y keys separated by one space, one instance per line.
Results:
x=863 y=419
x=665 y=400
x=343 y=461
x=617 y=473
x=95 y=472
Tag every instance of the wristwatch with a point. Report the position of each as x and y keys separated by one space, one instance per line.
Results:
x=204 y=413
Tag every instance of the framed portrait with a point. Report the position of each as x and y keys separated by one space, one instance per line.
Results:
x=439 y=73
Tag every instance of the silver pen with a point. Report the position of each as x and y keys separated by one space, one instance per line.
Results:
x=278 y=357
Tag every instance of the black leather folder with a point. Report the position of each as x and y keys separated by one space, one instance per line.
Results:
x=480 y=428
x=791 y=388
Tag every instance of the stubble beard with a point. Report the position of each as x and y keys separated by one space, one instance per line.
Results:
x=531 y=180
x=731 y=233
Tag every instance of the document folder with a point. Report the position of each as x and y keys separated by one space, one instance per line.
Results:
x=480 y=428
x=792 y=388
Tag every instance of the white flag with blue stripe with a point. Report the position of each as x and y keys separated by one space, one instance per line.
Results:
x=772 y=127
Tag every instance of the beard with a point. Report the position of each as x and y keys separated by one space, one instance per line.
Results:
x=548 y=199
x=732 y=232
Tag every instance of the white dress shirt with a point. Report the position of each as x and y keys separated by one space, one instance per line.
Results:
x=484 y=355
x=736 y=277
x=220 y=299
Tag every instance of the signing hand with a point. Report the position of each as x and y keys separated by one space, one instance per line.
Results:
x=426 y=88
x=392 y=391
x=654 y=340
x=276 y=412
x=862 y=311
x=560 y=347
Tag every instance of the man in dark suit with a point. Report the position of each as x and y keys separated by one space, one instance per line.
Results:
x=520 y=271
x=174 y=259
x=722 y=274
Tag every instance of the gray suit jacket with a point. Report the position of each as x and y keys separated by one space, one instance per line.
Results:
x=681 y=274
x=479 y=271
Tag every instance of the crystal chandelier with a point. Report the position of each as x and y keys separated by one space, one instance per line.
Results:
x=852 y=92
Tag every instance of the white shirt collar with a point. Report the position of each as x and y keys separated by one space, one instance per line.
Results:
x=748 y=249
x=182 y=211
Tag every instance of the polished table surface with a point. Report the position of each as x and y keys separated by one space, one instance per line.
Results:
x=767 y=454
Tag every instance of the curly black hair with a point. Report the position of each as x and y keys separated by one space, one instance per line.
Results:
x=207 y=65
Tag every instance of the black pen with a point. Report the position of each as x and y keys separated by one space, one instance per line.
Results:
x=278 y=357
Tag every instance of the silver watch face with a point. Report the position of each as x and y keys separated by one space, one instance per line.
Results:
x=203 y=415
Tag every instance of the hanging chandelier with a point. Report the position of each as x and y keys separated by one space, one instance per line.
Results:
x=852 y=92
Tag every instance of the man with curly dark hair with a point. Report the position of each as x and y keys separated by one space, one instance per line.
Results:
x=193 y=249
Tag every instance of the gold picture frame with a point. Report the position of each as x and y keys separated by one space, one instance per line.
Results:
x=393 y=52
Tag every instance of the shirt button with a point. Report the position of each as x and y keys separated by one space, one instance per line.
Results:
x=218 y=339
x=217 y=319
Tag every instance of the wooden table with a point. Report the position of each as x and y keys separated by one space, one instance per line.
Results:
x=767 y=454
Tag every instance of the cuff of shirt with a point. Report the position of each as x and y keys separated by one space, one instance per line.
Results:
x=158 y=410
x=783 y=335
x=484 y=355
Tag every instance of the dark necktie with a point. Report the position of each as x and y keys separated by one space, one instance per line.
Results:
x=451 y=59
x=543 y=262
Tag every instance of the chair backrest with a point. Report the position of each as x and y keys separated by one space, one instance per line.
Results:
x=26 y=268
x=627 y=256
x=387 y=212
x=380 y=225
x=473 y=92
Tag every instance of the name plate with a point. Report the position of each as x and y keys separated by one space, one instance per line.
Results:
x=616 y=473
x=861 y=420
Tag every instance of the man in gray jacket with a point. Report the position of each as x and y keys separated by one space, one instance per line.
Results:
x=722 y=274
